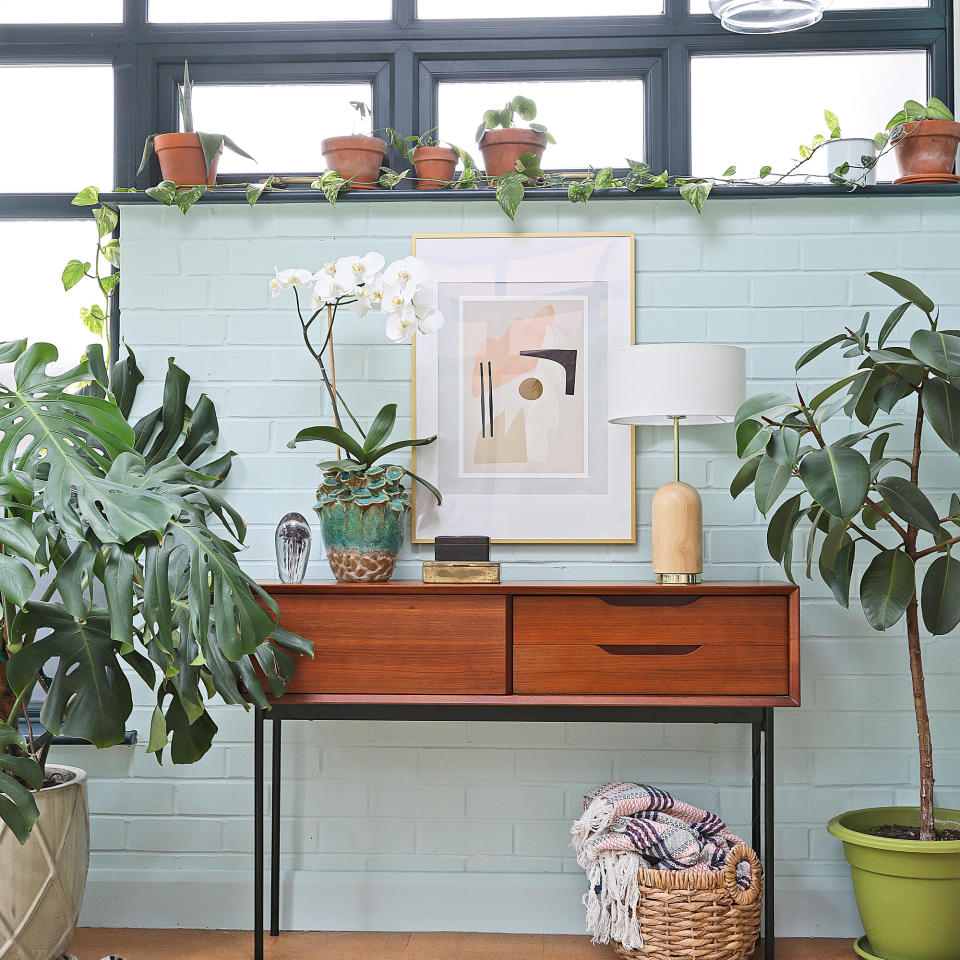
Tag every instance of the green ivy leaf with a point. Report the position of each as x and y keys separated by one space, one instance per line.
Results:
x=106 y=219
x=185 y=199
x=730 y=171
x=331 y=183
x=695 y=194
x=111 y=252
x=765 y=171
x=580 y=192
x=87 y=197
x=73 y=273
x=163 y=192
x=510 y=193
x=255 y=190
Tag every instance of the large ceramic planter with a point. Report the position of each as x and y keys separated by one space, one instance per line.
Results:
x=361 y=518
x=182 y=161
x=928 y=147
x=502 y=149
x=357 y=157
x=42 y=882
x=908 y=891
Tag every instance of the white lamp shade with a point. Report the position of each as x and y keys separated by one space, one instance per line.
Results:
x=650 y=383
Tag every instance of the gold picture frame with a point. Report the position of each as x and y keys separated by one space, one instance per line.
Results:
x=631 y=339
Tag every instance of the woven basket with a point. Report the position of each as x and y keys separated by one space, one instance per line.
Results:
x=699 y=916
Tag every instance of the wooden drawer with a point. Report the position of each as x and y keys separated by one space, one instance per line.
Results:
x=399 y=644
x=652 y=619
x=642 y=669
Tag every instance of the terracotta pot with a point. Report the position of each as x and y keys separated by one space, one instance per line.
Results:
x=42 y=882
x=181 y=159
x=502 y=148
x=433 y=164
x=357 y=156
x=928 y=146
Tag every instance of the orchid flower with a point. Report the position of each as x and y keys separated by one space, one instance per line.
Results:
x=429 y=318
x=354 y=272
x=290 y=277
x=407 y=270
x=368 y=297
x=328 y=290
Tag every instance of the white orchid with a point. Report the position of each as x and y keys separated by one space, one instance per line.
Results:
x=328 y=290
x=328 y=269
x=289 y=277
x=401 y=326
x=405 y=271
x=354 y=272
x=368 y=297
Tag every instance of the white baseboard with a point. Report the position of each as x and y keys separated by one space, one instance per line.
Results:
x=484 y=903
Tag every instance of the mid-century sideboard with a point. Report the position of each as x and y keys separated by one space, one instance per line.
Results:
x=557 y=651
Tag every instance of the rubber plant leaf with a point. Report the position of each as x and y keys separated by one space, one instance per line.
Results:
x=886 y=588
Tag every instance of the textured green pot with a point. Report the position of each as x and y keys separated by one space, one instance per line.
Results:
x=908 y=891
x=361 y=518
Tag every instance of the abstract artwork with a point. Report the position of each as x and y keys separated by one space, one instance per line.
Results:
x=514 y=386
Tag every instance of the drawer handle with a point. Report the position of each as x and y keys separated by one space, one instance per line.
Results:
x=658 y=600
x=650 y=650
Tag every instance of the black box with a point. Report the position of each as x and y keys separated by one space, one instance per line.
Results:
x=461 y=548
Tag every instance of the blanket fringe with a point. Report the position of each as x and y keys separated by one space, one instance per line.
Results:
x=613 y=899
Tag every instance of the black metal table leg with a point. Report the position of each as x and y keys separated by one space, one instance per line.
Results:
x=756 y=727
x=768 y=839
x=258 y=834
x=275 y=832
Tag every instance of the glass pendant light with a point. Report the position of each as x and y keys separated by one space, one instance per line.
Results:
x=768 y=16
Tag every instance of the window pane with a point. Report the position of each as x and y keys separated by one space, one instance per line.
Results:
x=703 y=6
x=282 y=125
x=787 y=95
x=39 y=309
x=510 y=10
x=69 y=148
x=255 y=11
x=615 y=109
x=61 y=11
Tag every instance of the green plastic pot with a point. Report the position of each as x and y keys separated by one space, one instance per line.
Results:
x=908 y=891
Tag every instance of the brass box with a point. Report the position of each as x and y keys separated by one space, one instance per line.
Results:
x=461 y=571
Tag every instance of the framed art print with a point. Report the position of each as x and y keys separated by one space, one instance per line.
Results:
x=514 y=386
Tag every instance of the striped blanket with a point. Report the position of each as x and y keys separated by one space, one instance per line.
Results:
x=626 y=826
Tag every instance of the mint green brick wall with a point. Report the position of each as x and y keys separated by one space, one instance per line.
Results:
x=378 y=807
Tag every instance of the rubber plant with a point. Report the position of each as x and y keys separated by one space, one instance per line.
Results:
x=855 y=498
x=109 y=565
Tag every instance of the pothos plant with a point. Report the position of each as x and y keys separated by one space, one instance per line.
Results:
x=109 y=566
x=401 y=293
x=856 y=497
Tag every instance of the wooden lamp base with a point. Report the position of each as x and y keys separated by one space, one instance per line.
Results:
x=677 y=519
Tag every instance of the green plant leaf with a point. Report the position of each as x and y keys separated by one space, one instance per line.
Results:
x=331 y=183
x=744 y=477
x=940 y=596
x=941 y=404
x=760 y=404
x=906 y=289
x=147 y=150
x=747 y=433
x=765 y=171
x=106 y=219
x=938 y=110
x=836 y=387
x=16 y=580
x=381 y=428
x=770 y=482
x=381 y=452
x=695 y=194
x=814 y=352
x=18 y=775
x=425 y=483
x=580 y=192
x=331 y=435
x=164 y=192
x=781 y=527
x=525 y=107
x=837 y=478
x=185 y=199
x=87 y=197
x=73 y=273
x=784 y=446
x=235 y=148
x=909 y=503
x=891 y=322
x=111 y=252
x=887 y=587
x=941 y=351
x=842 y=571
x=510 y=193
x=255 y=190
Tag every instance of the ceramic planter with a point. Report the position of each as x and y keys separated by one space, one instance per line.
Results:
x=434 y=164
x=361 y=518
x=181 y=159
x=502 y=148
x=907 y=891
x=42 y=882
x=357 y=156
x=928 y=147
x=851 y=150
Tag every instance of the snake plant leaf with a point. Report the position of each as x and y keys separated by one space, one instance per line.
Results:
x=381 y=428
x=886 y=588
x=837 y=478
x=330 y=435
x=906 y=289
x=941 y=404
x=231 y=145
x=147 y=150
x=940 y=595
x=941 y=351
x=89 y=691
x=909 y=503
x=18 y=808
x=185 y=97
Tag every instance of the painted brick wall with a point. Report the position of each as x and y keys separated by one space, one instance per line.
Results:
x=464 y=825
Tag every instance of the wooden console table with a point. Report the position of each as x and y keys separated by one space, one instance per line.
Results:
x=558 y=651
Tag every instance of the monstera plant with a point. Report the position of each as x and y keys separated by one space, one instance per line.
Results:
x=858 y=496
x=110 y=566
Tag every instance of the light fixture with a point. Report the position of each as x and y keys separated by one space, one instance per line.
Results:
x=663 y=383
x=768 y=16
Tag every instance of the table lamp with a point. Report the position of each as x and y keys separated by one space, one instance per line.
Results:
x=660 y=383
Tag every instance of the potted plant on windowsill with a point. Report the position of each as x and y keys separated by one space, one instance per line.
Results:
x=188 y=158
x=108 y=565
x=925 y=141
x=358 y=157
x=502 y=144
x=434 y=161
x=361 y=506
x=856 y=157
x=905 y=860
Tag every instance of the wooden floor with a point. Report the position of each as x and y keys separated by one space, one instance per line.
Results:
x=94 y=944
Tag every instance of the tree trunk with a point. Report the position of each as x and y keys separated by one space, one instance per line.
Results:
x=923 y=723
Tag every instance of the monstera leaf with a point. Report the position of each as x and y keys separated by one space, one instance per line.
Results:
x=18 y=809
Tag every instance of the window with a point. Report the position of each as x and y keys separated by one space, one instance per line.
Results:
x=254 y=11
x=787 y=96
x=62 y=11
x=509 y=9
x=703 y=6
x=281 y=125
x=65 y=115
x=615 y=132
